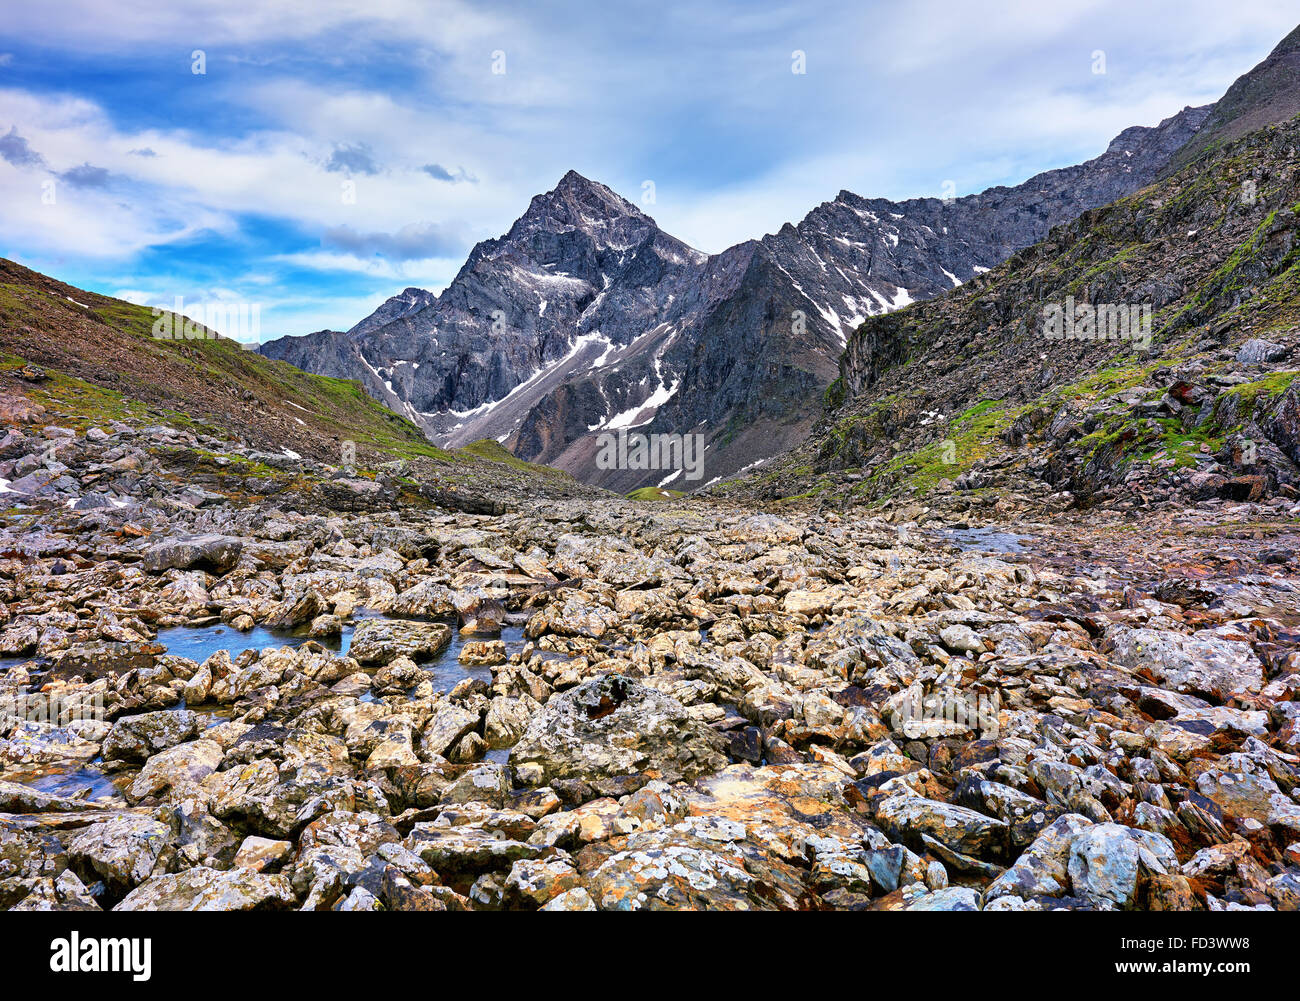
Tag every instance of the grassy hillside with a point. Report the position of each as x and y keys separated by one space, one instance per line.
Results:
x=102 y=362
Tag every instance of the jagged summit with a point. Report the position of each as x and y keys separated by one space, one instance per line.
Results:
x=576 y=185
x=1169 y=133
x=409 y=300
x=581 y=202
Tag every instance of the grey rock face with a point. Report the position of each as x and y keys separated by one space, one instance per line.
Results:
x=587 y=318
x=121 y=851
x=1044 y=868
x=1259 y=352
x=1104 y=861
x=135 y=738
x=213 y=552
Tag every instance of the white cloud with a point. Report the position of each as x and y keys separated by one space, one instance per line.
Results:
x=897 y=99
x=430 y=273
x=90 y=223
x=270 y=173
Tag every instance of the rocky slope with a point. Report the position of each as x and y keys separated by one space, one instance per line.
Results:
x=801 y=712
x=585 y=317
x=969 y=392
x=1267 y=95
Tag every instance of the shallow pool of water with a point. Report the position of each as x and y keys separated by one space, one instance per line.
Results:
x=984 y=540
x=8 y=662
x=200 y=642
x=448 y=672
x=87 y=782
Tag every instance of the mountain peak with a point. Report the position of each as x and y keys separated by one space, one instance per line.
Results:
x=582 y=202
x=407 y=302
x=572 y=179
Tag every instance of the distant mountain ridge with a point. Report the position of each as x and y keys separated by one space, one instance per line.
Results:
x=586 y=317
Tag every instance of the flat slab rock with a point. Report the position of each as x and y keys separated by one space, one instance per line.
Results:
x=382 y=641
x=1197 y=664
x=209 y=552
x=611 y=727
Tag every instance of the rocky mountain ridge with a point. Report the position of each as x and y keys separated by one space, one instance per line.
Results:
x=969 y=396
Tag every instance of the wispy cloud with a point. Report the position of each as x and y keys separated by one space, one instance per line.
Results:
x=441 y=173
x=429 y=272
x=417 y=240
x=335 y=178
x=86 y=176
x=16 y=150
x=352 y=160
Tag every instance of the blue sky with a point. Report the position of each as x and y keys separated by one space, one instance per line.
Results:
x=124 y=171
